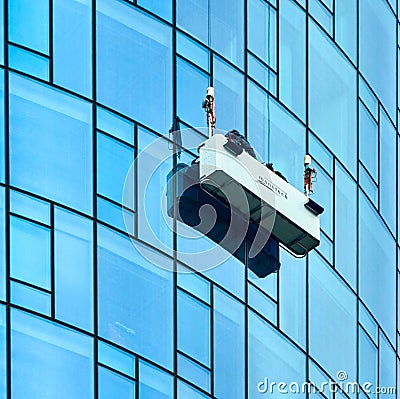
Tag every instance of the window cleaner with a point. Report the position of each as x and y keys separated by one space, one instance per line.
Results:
x=310 y=175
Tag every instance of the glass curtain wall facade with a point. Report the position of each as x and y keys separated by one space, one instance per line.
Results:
x=86 y=85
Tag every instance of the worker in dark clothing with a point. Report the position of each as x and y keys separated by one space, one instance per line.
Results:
x=271 y=168
x=239 y=139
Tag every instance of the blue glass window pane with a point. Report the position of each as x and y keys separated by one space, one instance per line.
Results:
x=193 y=372
x=263 y=75
x=192 y=84
x=387 y=366
x=229 y=88
x=72 y=48
x=30 y=207
x=192 y=16
x=369 y=324
x=262 y=31
x=268 y=285
x=286 y=132
x=262 y=304
x=50 y=143
x=74 y=269
x=368 y=141
x=320 y=153
x=116 y=359
x=377 y=268
x=185 y=391
x=346 y=26
x=29 y=24
x=154 y=164
x=193 y=328
x=113 y=385
x=192 y=50
x=388 y=167
x=258 y=120
x=114 y=215
x=272 y=128
x=321 y=14
x=115 y=125
x=30 y=252
x=154 y=383
x=28 y=62
x=326 y=248
x=368 y=360
x=368 y=185
x=3 y=343
x=368 y=97
x=292 y=57
x=318 y=377
x=230 y=275
x=30 y=298
x=323 y=194
x=333 y=318
x=292 y=297
x=272 y=356
x=377 y=35
x=332 y=97
x=195 y=285
x=163 y=8
x=135 y=298
x=61 y=359
x=398 y=184
x=228 y=38
x=114 y=160
x=2 y=244
x=345 y=225
x=144 y=72
x=2 y=32
x=2 y=148
x=229 y=347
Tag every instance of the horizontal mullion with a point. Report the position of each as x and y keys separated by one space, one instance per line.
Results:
x=29 y=49
x=30 y=285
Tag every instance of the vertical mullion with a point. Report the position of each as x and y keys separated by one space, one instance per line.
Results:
x=245 y=95
x=333 y=20
x=175 y=223
x=212 y=346
x=52 y=262
x=358 y=198
x=397 y=202
x=51 y=42
x=137 y=376
x=307 y=79
x=7 y=201
x=379 y=158
x=333 y=261
x=307 y=277
x=136 y=179
x=94 y=202
x=246 y=309
x=277 y=47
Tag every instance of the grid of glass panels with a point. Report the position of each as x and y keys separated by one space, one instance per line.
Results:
x=85 y=86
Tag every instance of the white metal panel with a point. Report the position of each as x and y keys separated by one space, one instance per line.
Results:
x=294 y=225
